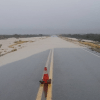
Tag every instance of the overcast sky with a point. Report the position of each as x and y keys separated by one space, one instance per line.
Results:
x=70 y=16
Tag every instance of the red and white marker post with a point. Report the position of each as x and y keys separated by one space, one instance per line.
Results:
x=46 y=79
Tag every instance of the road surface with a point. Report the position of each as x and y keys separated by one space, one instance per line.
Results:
x=75 y=75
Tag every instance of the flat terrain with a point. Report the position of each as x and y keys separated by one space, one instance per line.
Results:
x=75 y=72
x=31 y=48
x=7 y=45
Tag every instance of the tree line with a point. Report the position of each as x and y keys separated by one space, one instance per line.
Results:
x=21 y=36
x=94 y=37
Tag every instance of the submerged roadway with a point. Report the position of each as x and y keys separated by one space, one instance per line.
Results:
x=75 y=75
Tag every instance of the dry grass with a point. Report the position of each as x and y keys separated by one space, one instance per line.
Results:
x=20 y=42
x=93 y=45
x=7 y=52
x=95 y=49
x=31 y=41
x=11 y=46
x=16 y=43
x=0 y=45
x=13 y=50
x=19 y=45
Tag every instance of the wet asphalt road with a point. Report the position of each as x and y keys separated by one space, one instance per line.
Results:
x=20 y=80
x=76 y=76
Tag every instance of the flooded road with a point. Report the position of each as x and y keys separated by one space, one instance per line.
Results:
x=74 y=72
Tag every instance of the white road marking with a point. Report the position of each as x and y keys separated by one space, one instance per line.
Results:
x=90 y=52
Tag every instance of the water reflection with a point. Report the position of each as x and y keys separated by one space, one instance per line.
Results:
x=45 y=89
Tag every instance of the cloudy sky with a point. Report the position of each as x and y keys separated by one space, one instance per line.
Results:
x=69 y=16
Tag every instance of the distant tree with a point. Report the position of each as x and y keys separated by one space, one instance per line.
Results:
x=94 y=37
x=40 y=35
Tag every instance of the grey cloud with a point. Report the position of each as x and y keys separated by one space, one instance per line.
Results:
x=71 y=16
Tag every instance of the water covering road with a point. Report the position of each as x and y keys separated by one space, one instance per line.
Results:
x=20 y=80
x=76 y=76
